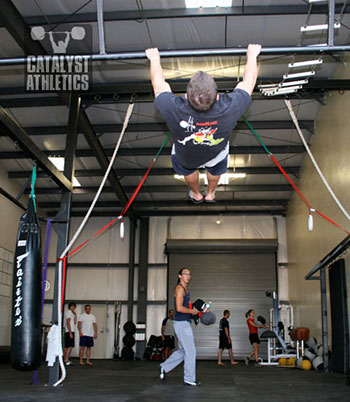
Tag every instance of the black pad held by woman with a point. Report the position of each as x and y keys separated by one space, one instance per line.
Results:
x=26 y=294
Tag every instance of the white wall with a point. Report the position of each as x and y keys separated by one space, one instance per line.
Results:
x=330 y=146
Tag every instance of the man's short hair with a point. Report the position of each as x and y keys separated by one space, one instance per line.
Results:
x=226 y=312
x=87 y=305
x=201 y=92
x=72 y=304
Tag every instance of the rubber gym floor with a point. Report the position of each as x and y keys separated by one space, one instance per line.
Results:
x=138 y=381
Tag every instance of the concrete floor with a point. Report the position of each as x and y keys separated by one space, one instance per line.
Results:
x=138 y=381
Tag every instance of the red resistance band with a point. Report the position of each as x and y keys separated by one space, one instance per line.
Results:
x=122 y=214
x=302 y=196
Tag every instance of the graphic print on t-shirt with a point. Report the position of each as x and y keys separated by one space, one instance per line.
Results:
x=204 y=134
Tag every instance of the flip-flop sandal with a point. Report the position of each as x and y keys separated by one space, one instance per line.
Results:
x=208 y=201
x=188 y=196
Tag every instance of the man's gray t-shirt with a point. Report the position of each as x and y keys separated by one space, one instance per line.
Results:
x=200 y=137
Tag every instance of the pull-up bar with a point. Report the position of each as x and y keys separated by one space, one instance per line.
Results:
x=198 y=53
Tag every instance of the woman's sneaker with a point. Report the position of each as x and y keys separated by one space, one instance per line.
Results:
x=246 y=361
x=161 y=373
x=192 y=383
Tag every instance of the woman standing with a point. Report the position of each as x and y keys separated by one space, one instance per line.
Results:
x=253 y=336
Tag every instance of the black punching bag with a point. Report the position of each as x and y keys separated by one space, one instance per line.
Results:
x=26 y=294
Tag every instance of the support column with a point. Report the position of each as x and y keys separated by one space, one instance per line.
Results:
x=323 y=283
x=132 y=229
x=142 y=285
x=62 y=219
x=331 y=20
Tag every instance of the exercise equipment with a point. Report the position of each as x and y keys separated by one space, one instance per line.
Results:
x=282 y=361
x=291 y=362
x=129 y=340
x=299 y=361
x=38 y=33
x=202 y=307
x=311 y=343
x=309 y=355
x=26 y=291
x=306 y=365
x=208 y=318
x=277 y=346
x=317 y=363
x=290 y=181
x=129 y=328
x=127 y=353
x=261 y=319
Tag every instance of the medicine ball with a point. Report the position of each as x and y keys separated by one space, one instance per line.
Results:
x=129 y=340
x=208 y=318
x=282 y=361
x=261 y=319
x=129 y=327
x=306 y=365
x=127 y=353
x=291 y=361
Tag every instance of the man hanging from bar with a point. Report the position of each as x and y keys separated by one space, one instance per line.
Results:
x=202 y=121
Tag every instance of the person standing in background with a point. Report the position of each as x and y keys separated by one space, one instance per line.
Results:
x=70 y=322
x=88 y=332
x=225 y=341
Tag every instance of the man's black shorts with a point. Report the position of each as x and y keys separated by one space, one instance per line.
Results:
x=224 y=343
x=68 y=341
x=169 y=342
x=254 y=338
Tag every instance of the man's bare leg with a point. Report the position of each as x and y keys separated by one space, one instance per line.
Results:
x=233 y=362
x=220 y=363
x=81 y=355
x=88 y=352
x=192 y=181
x=212 y=183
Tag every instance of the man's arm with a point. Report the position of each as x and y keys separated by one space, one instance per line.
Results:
x=251 y=69
x=157 y=77
x=95 y=329
x=69 y=328
x=228 y=335
x=79 y=328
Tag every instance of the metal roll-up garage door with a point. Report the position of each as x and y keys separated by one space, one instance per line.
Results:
x=233 y=275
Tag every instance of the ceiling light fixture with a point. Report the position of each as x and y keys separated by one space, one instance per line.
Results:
x=297 y=75
x=58 y=161
x=305 y=63
x=292 y=83
x=321 y=27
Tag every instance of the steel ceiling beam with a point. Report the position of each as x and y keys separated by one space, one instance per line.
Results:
x=158 y=172
x=167 y=189
x=121 y=92
x=192 y=211
x=234 y=150
x=134 y=15
x=13 y=21
x=10 y=128
x=161 y=204
x=162 y=127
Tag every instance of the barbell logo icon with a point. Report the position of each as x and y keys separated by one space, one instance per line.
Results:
x=76 y=33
